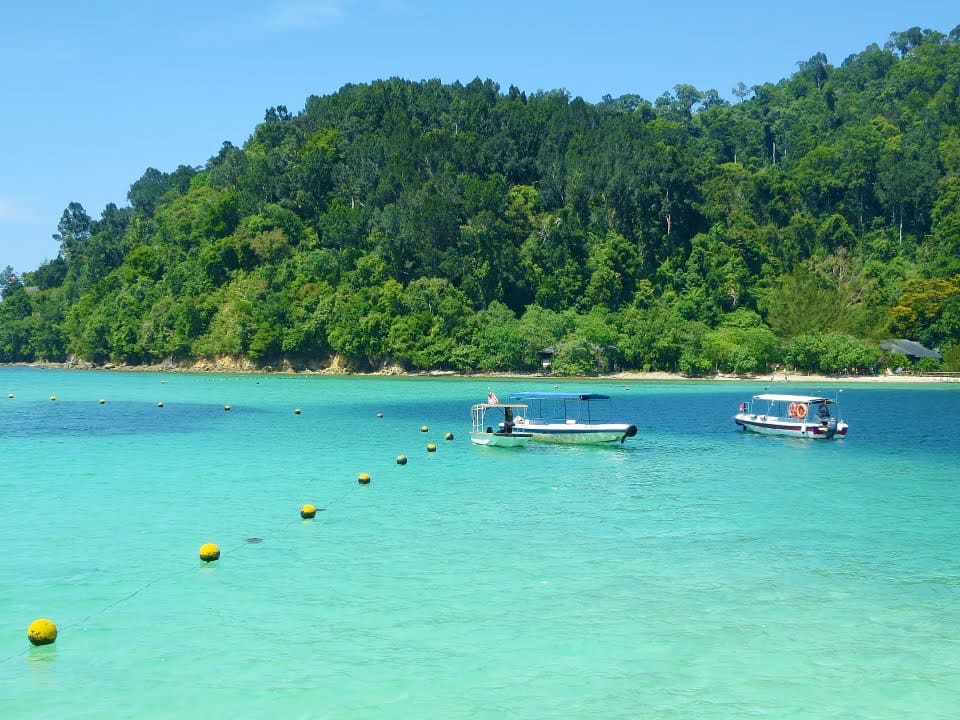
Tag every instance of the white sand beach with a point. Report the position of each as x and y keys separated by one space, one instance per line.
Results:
x=795 y=377
x=230 y=366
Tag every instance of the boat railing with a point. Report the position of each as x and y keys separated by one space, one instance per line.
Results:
x=479 y=420
x=566 y=411
x=781 y=409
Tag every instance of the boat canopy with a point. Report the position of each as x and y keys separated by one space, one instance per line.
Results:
x=557 y=396
x=774 y=397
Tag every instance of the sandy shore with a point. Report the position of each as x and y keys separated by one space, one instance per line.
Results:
x=232 y=366
x=793 y=378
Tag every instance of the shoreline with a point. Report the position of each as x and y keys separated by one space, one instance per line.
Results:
x=789 y=378
x=230 y=366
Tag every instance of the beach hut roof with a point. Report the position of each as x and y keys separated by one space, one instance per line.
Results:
x=909 y=348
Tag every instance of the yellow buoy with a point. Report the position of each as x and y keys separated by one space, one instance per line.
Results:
x=53 y=397
x=448 y=436
x=401 y=459
x=296 y=411
x=10 y=395
x=431 y=447
x=308 y=511
x=42 y=632
x=424 y=428
x=226 y=407
x=363 y=479
x=102 y=401
x=209 y=552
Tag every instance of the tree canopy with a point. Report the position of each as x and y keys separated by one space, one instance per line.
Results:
x=452 y=226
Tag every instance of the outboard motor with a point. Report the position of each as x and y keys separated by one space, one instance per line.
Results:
x=831 y=428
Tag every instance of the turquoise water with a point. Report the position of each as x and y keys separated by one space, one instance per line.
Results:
x=695 y=572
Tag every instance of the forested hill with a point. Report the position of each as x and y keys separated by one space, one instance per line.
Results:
x=462 y=227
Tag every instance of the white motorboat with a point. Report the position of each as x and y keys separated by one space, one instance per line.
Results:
x=803 y=416
x=570 y=417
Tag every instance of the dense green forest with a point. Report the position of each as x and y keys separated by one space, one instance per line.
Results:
x=458 y=227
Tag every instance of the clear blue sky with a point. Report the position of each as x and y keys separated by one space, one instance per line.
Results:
x=95 y=93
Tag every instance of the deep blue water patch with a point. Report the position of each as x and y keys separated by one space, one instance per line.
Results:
x=68 y=418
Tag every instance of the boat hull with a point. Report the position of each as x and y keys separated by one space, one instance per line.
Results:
x=790 y=427
x=514 y=439
x=579 y=433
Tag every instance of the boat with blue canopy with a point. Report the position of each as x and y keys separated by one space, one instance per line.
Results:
x=570 y=417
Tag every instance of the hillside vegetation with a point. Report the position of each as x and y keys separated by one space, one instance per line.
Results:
x=460 y=227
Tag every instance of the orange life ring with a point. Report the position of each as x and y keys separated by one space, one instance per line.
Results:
x=792 y=410
x=801 y=411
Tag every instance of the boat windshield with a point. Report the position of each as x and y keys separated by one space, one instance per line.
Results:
x=800 y=407
x=490 y=417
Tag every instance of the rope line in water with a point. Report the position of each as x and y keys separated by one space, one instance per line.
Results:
x=155 y=579
x=121 y=601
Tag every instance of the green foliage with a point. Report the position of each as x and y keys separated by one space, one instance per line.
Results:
x=433 y=319
x=499 y=342
x=576 y=356
x=742 y=344
x=946 y=225
x=15 y=312
x=896 y=361
x=929 y=310
x=951 y=359
x=543 y=329
x=829 y=352
x=455 y=226
x=153 y=187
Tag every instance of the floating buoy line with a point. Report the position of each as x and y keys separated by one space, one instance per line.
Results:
x=44 y=631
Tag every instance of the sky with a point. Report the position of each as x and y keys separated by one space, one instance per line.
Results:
x=95 y=93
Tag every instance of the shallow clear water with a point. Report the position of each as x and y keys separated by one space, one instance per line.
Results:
x=695 y=572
